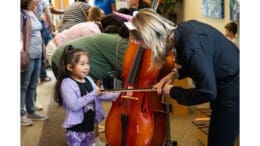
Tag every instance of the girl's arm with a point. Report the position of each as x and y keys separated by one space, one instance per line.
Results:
x=70 y=98
x=109 y=96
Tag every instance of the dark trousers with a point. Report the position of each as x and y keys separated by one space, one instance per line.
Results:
x=46 y=38
x=43 y=73
x=224 y=124
x=54 y=68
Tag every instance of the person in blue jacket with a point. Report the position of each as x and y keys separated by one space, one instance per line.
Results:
x=203 y=54
x=108 y=6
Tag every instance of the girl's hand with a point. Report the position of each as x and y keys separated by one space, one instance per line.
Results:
x=99 y=83
x=99 y=91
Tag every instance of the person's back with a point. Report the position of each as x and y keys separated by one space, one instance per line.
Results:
x=211 y=42
x=102 y=49
x=84 y=28
x=77 y=31
x=74 y=14
x=90 y=27
x=207 y=57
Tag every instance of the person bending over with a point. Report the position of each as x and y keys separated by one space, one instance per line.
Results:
x=106 y=50
x=203 y=54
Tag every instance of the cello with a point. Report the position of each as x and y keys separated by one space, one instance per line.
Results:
x=138 y=118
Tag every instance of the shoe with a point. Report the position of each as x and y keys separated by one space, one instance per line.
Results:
x=37 y=116
x=25 y=121
x=45 y=79
x=38 y=107
x=97 y=142
x=101 y=128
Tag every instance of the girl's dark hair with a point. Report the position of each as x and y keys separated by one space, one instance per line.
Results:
x=71 y=56
x=25 y=4
x=115 y=24
x=125 y=11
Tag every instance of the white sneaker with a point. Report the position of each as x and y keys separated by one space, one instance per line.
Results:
x=97 y=142
x=25 y=121
x=38 y=107
x=37 y=116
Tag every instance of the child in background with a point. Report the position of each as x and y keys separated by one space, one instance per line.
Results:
x=80 y=97
x=231 y=31
x=95 y=14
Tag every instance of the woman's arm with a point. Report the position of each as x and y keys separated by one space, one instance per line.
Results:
x=202 y=72
x=165 y=81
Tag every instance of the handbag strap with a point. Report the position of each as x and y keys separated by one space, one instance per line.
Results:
x=24 y=28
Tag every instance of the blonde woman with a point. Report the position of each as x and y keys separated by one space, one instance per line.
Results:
x=206 y=56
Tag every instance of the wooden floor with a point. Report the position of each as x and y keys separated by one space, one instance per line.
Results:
x=50 y=132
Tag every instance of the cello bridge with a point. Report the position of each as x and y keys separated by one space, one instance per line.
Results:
x=129 y=97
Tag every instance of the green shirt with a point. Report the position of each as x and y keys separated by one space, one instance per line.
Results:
x=102 y=53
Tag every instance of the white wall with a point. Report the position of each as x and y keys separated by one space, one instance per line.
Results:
x=192 y=10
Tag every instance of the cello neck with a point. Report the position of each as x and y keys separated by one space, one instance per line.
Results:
x=134 y=68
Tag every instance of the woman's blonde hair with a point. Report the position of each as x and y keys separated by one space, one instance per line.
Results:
x=155 y=31
x=95 y=14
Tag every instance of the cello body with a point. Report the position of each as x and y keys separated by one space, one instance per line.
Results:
x=137 y=118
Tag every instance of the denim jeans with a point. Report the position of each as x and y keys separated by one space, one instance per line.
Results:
x=46 y=34
x=29 y=82
x=43 y=72
x=46 y=38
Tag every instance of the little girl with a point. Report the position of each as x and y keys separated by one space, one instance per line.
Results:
x=80 y=97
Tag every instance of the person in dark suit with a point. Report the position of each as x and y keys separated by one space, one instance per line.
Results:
x=203 y=54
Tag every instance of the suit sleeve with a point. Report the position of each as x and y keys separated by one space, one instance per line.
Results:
x=201 y=70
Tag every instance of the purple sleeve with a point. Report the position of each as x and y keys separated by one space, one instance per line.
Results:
x=70 y=97
x=109 y=96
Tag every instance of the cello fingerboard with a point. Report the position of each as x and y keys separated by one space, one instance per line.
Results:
x=134 y=68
